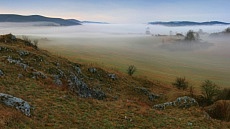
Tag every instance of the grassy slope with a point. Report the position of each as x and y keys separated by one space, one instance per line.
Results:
x=57 y=107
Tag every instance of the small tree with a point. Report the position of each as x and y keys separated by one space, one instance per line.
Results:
x=131 y=69
x=209 y=90
x=181 y=83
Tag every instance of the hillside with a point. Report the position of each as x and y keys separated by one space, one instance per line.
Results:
x=188 y=23
x=37 y=18
x=65 y=94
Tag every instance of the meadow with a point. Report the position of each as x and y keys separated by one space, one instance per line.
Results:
x=152 y=61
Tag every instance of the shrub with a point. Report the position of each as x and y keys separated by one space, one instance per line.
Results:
x=224 y=94
x=209 y=90
x=191 y=36
x=28 y=42
x=181 y=83
x=131 y=70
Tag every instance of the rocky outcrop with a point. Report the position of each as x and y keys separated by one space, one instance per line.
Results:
x=15 y=102
x=81 y=88
x=147 y=92
x=17 y=62
x=181 y=102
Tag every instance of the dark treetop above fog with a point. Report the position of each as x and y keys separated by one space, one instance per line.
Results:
x=37 y=18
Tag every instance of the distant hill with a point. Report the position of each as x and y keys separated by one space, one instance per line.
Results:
x=37 y=18
x=95 y=22
x=188 y=23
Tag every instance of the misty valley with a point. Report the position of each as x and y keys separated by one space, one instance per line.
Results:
x=161 y=55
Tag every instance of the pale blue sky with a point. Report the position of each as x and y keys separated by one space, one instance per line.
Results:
x=122 y=11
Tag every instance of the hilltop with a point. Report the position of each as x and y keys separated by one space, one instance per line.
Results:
x=66 y=94
x=188 y=23
x=37 y=18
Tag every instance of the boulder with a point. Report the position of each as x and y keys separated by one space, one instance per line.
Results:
x=180 y=102
x=15 y=102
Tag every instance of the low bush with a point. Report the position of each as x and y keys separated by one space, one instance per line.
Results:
x=180 y=83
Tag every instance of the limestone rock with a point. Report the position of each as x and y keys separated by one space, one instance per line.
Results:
x=23 y=53
x=81 y=88
x=39 y=74
x=15 y=102
x=147 y=92
x=181 y=102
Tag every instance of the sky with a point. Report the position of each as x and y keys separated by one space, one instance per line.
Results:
x=122 y=11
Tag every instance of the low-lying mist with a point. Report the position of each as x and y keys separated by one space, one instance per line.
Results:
x=119 y=45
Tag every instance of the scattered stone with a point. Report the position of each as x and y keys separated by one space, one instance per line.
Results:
x=147 y=92
x=153 y=96
x=1 y=73
x=23 y=53
x=112 y=76
x=57 y=80
x=17 y=62
x=92 y=70
x=38 y=74
x=98 y=94
x=60 y=73
x=78 y=69
x=189 y=123
x=181 y=102
x=20 y=76
x=17 y=103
